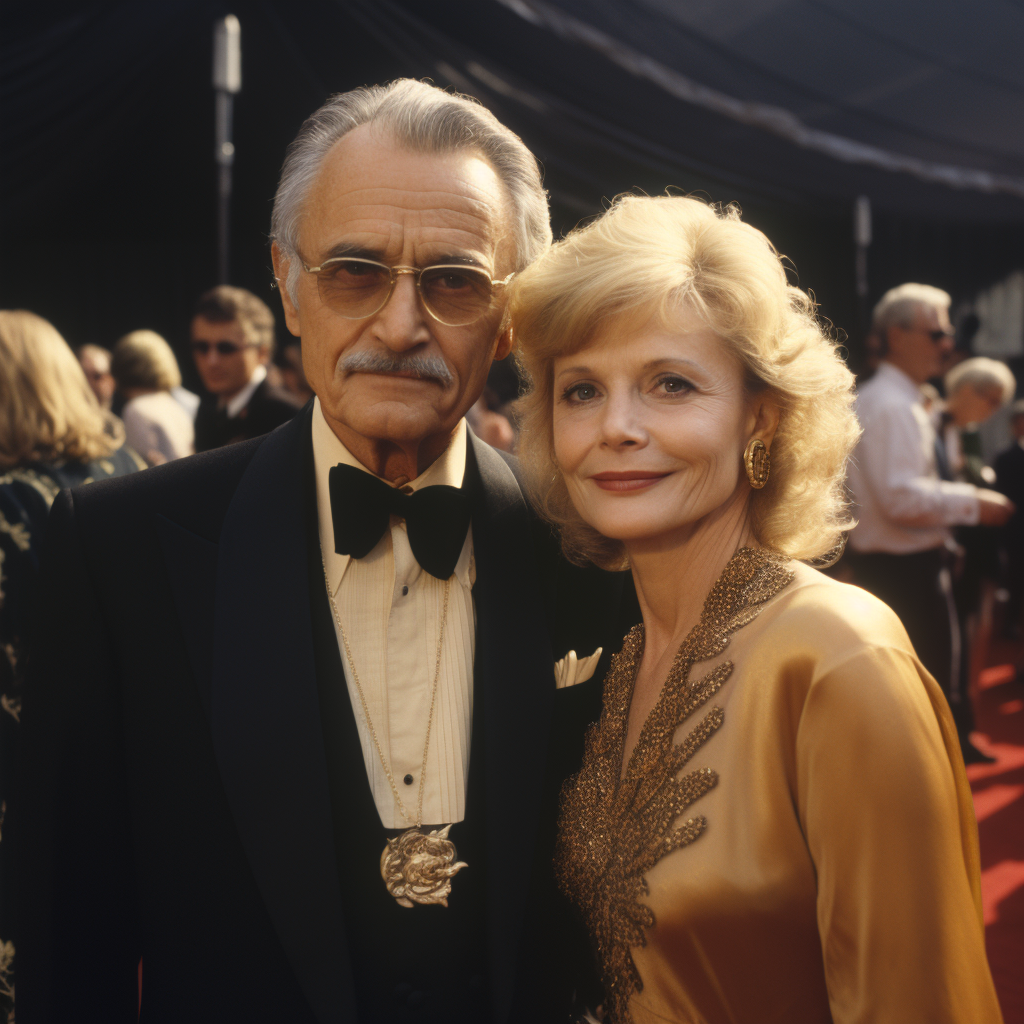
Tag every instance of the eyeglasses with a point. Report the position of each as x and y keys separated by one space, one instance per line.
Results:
x=937 y=335
x=453 y=295
x=224 y=348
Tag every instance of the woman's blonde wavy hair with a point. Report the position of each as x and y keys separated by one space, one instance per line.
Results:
x=48 y=412
x=646 y=258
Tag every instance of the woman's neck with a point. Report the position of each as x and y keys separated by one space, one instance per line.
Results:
x=674 y=574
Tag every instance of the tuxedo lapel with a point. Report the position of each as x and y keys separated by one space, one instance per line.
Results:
x=514 y=684
x=265 y=718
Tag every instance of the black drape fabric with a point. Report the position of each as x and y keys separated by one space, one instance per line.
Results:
x=106 y=124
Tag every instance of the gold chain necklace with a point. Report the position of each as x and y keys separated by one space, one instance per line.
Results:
x=417 y=867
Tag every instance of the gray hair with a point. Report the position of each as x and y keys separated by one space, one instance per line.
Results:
x=898 y=306
x=984 y=376
x=426 y=119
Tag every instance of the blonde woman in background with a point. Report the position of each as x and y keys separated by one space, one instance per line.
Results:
x=772 y=822
x=156 y=425
x=53 y=434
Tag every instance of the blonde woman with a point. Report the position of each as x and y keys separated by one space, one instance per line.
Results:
x=772 y=821
x=156 y=424
x=53 y=434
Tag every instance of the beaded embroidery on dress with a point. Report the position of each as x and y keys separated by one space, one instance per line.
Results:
x=613 y=828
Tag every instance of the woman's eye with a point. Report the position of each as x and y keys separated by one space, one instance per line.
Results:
x=580 y=393
x=674 y=385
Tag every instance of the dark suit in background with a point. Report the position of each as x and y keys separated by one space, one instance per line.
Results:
x=195 y=792
x=1009 y=467
x=267 y=409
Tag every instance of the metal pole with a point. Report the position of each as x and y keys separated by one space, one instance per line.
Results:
x=862 y=239
x=227 y=81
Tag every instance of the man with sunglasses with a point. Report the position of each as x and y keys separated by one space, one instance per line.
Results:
x=301 y=753
x=232 y=342
x=907 y=503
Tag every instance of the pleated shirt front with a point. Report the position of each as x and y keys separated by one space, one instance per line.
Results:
x=391 y=610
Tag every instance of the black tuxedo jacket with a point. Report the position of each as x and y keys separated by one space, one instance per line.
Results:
x=267 y=408
x=177 y=802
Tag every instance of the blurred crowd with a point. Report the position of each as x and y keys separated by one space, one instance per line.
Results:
x=940 y=537
x=940 y=534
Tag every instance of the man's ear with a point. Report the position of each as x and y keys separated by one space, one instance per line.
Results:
x=505 y=341
x=281 y=265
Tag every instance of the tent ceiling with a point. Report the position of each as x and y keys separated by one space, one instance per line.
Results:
x=918 y=105
x=934 y=79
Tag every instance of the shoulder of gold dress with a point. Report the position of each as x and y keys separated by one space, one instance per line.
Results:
x=614 y=828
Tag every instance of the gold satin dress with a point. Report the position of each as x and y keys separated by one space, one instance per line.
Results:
x=793 y=838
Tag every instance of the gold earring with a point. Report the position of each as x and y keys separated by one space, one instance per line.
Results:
x=757 y=462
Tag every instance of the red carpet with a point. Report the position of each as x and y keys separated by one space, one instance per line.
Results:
x=999 y=805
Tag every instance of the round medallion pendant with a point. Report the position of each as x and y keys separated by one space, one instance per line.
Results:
x=418 y=867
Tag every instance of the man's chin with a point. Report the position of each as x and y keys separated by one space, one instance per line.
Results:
x=390 y=418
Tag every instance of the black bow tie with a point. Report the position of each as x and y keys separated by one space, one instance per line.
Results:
x=436 y=518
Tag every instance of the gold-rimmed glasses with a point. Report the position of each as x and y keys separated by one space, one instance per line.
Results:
x=453 y=294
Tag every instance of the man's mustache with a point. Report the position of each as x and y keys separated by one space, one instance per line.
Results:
x=424 y=367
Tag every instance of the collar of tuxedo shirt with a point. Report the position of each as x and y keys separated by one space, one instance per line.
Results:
x=449 y=469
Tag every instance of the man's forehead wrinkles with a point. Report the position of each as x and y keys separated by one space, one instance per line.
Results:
x=386 y=195
x=484 y=216
x=420 y=233
x=390 y=236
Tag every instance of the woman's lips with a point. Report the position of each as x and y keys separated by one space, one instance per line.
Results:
x=632 y=481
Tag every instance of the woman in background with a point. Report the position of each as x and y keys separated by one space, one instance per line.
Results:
x=772 y=822
x=53 y=434
x=156 y=425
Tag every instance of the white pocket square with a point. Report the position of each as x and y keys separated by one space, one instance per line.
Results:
x=571 y=670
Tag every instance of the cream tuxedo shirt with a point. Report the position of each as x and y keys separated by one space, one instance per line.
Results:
x=391 y=610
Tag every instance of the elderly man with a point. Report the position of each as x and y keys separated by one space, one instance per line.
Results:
x=901 y=546
x=232 y=342
x=296 y=730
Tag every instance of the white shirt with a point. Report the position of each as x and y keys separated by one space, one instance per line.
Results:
x=391 y=611
x=188 y=400
x=902 y=505
x=241 y=400
x=158 y=428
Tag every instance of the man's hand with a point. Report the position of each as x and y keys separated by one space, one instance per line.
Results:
x=994 y=509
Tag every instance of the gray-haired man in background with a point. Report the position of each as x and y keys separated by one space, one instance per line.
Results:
x=901 y=547
x=286 y=690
